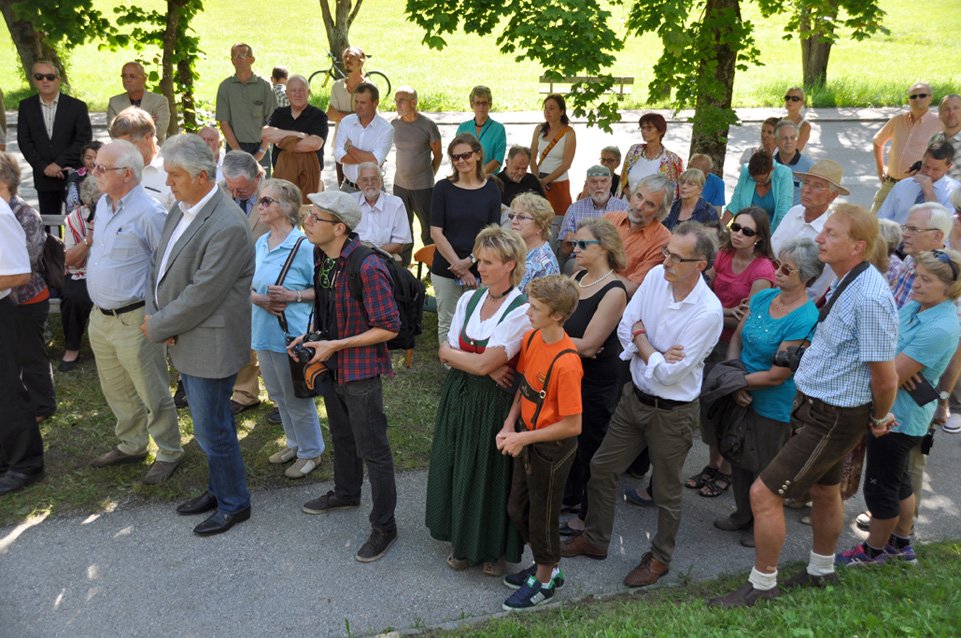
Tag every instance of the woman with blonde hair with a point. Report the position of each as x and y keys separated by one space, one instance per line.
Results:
x=531 y=217
x=468 y=480
x=794 y=100
x=690 y=206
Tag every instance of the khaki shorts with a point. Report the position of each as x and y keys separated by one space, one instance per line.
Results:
x=824 y=434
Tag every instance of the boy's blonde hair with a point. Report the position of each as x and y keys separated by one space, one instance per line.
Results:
x=557 y=292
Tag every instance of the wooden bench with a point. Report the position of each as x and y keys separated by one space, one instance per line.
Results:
x=54 y=221
x=622 y=85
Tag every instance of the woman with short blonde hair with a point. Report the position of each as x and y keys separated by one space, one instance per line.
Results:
x=531 y=216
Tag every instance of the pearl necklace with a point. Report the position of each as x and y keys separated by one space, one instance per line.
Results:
x=594 y=283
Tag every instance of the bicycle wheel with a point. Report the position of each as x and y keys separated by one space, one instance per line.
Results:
x=317 y=81
x=379 y=80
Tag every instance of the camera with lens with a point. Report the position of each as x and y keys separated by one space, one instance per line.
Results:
x=789 y=358
x=303 y=353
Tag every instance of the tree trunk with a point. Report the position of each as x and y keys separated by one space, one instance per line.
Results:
x=174 y=9
x=715 y=82
x=816 y=46
x=30 y=44
x=337 y=24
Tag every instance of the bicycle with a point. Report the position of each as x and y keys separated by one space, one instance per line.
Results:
x=336 y=71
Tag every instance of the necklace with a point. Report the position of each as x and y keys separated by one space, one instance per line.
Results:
x=594 y=283
x=500 y=296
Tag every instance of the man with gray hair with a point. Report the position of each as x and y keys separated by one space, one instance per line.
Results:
x=132 y=370
x=641 y=229
x=949 y=112
x=383 y=221
x=598 y=202
x=787 y=153
x=667 y=330
x=134 y=80
x=198 y=303
x=136 y=126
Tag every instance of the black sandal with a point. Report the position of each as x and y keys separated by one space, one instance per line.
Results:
x=716 y=486
x=698 y=481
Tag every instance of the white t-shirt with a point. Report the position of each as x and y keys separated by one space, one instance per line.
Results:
x=14 y=259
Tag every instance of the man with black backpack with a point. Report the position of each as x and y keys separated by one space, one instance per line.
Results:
x=349 y=334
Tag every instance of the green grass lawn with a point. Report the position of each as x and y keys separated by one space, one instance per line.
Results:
x=884 y=602
x=290 y=32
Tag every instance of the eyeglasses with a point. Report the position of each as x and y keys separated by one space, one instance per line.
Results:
x=915 y=229
x=610 y=160
x=513 y=216
x=312 y=217
x=455 y=157
x=793 y=98
x=49 y=77
x=945 y=258
x=100 y=168
x=918 y=96
x=677 y=259
x=784 y=269
x=266 y=201
x=582 y=244
x=747 y=232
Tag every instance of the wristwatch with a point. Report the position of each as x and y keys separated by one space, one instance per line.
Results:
x=299 y=298
x=944 y=395
x=876 y=422
x=472 y=258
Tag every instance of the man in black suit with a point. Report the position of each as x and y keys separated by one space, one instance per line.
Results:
x=51 y=130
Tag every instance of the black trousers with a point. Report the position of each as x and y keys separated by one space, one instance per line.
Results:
x=417 y=202
x=51 y=203
x=74 y=311
x=21 y=447
x=35 y=369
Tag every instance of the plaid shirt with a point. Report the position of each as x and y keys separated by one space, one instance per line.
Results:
x=901 y=289
x=363 y=362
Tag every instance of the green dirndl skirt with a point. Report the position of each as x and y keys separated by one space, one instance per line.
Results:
x=468 y=481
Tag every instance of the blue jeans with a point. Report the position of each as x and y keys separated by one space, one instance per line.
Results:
x=358 y=430
x=298 y=416
x=217 y=435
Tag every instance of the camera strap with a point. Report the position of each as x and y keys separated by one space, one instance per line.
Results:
x=842 y=285
x=282 y=318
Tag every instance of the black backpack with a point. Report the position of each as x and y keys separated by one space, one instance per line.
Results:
x=409 y=293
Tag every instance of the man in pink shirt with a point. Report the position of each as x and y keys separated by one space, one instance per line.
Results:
x=909 y=134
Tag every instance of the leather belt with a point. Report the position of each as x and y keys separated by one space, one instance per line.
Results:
x=350 y=184
x=657 y=402
x=119 y=311
x=893 y=180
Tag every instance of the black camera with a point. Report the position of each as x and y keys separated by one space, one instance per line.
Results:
x=303 y=353
x=789 y=358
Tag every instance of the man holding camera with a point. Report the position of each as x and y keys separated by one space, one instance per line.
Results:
x=846 y=384
x=349 y=336
x=930 y=183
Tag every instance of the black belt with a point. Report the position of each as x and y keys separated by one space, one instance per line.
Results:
x=657 y=402
x=893 y=180
x=349 y=183
x=120 y=311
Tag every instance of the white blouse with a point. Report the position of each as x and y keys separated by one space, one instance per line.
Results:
x=506 y=334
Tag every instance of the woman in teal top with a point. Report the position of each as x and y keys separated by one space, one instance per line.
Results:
x=491 y=134
x=928 y=333
x=763 y=183
x=778 y=318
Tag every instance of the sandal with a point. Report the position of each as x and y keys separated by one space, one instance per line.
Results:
x=457 y=564
x=717 y=485
x=698 y=481
x=496 y=569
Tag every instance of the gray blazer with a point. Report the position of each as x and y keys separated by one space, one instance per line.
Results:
x=152 y=103
x=204 y=296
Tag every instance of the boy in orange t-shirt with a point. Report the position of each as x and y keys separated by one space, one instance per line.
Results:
x=540 y=432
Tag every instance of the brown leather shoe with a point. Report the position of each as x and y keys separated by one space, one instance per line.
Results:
x=116 y=457
x=159 y=472
x=580 y=546
x=647 y=572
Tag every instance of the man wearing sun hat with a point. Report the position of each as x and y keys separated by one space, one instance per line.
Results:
x=820 y=186
x=353 y=346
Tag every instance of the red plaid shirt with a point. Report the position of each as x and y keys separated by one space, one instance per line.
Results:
x=363 y=362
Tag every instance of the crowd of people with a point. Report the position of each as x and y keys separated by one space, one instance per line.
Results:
x=587 y=334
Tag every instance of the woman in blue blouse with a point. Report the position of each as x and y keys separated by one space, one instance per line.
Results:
x=778 y=318
x=491 y=134
x=763 y=183
x=928 y=334
x=279 y=209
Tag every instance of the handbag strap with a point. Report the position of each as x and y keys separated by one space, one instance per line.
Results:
x=553 y=143
x=282 y=317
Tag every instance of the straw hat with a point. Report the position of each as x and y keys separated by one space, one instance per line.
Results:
x=828 y=170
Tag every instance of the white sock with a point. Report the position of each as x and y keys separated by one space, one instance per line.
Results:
x=762 y=581
x=819 y=565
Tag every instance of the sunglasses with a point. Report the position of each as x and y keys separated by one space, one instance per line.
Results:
x=918 y=96
x=945 y=258
x=461 y=156
x=513 y=216
x=677 y=259
x=793 y=98
x=582 y=244
x=784 y=269
x=266 y=201
x=747 y=232
x=49 y=77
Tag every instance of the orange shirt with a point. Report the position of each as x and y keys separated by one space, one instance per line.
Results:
x=909 y=138
x=643 y=247
x=563 y=396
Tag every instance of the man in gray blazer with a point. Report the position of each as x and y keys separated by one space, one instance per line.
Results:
x=134 y=80
x=198 y=303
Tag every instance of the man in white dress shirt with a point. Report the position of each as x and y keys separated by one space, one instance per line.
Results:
x=930 y=184
x=383 y=221
x=362 y=136
x=136 y=126
x=667 y=330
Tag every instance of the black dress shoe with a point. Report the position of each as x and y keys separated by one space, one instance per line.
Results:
x=14 y=481
x=219 y=522
x=67 y=366
x=203 y=503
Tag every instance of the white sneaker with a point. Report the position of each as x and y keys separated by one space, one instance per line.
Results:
x=301 y=468
x=953 y=425
x=286 y=454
